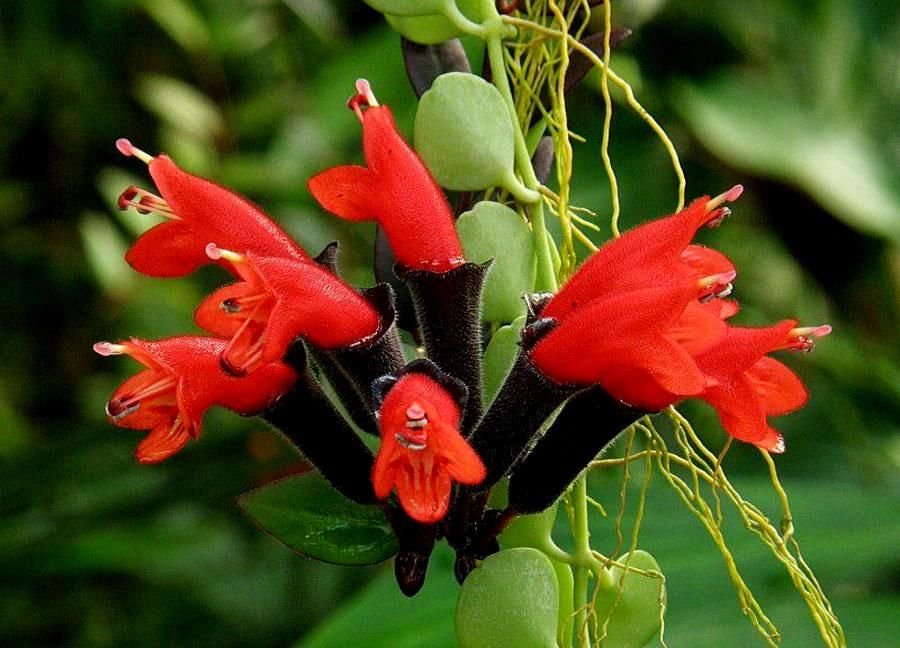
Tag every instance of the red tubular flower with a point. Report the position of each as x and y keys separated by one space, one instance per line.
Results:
x=181 y=381
x=277 y=301
x=746 y=386
x=650 y=254
x=395 y=189
x=197 y=211
x=422 y=451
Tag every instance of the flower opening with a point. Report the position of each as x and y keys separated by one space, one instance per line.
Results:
x=422 y=451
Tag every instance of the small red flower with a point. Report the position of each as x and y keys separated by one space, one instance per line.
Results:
x=422 y=451
x=197 y=211
x=650 y=254
x=746 y=386
x=181 y=381
x=277 y=301
x=395 y=189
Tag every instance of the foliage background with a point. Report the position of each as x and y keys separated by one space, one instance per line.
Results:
x=799 y=101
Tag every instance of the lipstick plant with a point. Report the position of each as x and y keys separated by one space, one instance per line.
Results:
x=537 y=352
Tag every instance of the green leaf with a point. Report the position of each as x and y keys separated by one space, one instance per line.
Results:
x=184 y=107
x=379 y=616
x=494 y=231
x=500 y=356
x=312 y=518
x=433 y=29
x=512 y=600
x=632 y=603
x=761 y=130
x=409 y=7
x=464 y=134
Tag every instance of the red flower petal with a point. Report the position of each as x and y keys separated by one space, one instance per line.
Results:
x=741 y=348
x=215 y=213
x=778 y=388
x=170 y=249
x=424 y=496
x=211 y=316
x=346 y=191
x=740 y=410
x=641 y=257
x=163 y=441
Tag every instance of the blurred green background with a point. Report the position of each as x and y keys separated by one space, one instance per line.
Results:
x=799 y=101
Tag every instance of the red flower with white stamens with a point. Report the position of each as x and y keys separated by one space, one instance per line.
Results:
x=197 y=211
x=422 y=451
x=277 y=301
x=746 y=386
x=183 y=379
x=395 y=189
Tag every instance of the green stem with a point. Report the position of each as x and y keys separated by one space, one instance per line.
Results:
x=582 y=537
x=494 y=28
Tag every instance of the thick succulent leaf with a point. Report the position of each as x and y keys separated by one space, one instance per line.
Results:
x=409 y=7
x=309 y=516
x=500 y=356
x=436 y=28
x=511 y=600
x=494 y=231
x=631 y=607
x=464 y=134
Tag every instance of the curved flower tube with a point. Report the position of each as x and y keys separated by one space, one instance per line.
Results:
x=181 y=380
x=650 y=254
x=422 y=451
x=277 y=301
x=395 y=189
x=196 y=211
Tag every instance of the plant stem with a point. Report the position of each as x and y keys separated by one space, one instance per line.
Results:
x=546 y=275
x=582 y=537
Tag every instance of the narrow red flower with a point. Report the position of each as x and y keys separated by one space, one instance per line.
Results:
x=746 y=386
x=650 y=254
x=277 y=301
x=181 y=381
x=196 y=211
x=422 y=451
x=395 y=189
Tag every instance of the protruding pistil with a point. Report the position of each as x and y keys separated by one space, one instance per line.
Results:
x=804 y=338
x=128 y=149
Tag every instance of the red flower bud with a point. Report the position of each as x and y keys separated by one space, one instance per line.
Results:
x=277 y=301
x=183 y=379
x=197 y=212
x=422 y=451
x=395 y=189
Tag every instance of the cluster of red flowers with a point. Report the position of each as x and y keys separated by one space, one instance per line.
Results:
x=644 y=318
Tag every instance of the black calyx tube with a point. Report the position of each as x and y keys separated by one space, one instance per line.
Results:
x=525 y=401
x=448 y=307
x=384 y=263
x=589 y=421
x=416 y=542
x=352 y=370
x=306 y=418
